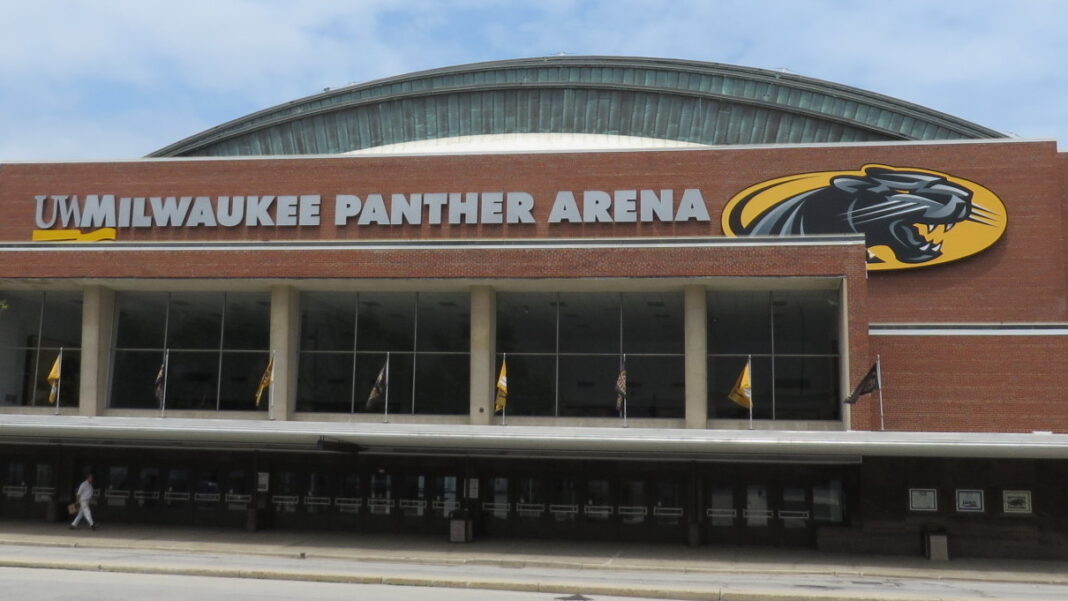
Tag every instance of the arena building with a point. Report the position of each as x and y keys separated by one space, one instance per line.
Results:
x=572 y=297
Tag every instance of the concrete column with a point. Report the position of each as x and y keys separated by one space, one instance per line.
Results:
x=285 y=342
x=696 y=327
x=98 y=318
x=483 y=353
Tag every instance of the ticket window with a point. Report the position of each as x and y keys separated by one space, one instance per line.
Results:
x=828 y=502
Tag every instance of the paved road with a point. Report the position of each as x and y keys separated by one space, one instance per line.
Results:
x=548 y=583
x=26 y=584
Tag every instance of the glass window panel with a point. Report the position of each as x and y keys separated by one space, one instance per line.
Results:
x=241 y=374
x=444 y=322
x=327 y=321
x=806 y=388
x=564 y=493
x=669 y=503
x=133 y=381
x=177 y=482
x=828 y=502
x=526 y=322
x=739 y=322
x=806 y=322
x=653 y=323
x=324 y=382
x=62 y=324
x=320 y=485
x=20 y=322
x=723 y=374
x=248 y=321
x=587 y=385
x=655 y=386
x=195 y=320
x=349 y=486
x=442 y=384
x=191 y=380
x=530 y=384
x=413 y=488
x=140 y=319
x=589 y=323
x=386 y=322
x=499 y=488
x=207 y=489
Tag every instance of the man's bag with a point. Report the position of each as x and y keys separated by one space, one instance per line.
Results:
x=72 y=509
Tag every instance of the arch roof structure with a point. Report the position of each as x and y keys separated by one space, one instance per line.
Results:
x=684 y=101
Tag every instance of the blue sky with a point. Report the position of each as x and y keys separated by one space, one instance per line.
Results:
x=114 y=79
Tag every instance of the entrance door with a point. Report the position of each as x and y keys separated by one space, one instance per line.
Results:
x=757 y=512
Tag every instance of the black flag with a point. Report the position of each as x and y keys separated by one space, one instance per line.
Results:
x=870 y=383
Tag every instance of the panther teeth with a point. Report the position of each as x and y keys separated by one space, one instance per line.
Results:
x=949 y=226
x=930 y=228
x=926 y=246
x=937 y=247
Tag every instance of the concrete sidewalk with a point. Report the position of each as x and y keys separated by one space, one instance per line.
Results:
x=563 y=555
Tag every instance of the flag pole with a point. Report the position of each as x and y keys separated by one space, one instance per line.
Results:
x=59 y=381
x=166 y=376
x=504 y=410
x=270 y=387
x=625 y=393
x=385 y=414
x=879 y=381
x=749 y=366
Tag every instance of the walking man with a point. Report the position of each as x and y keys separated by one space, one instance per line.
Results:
x=84 y=494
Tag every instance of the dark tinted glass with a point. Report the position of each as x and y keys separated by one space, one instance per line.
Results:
x=140 y=320
x=444 y=322
x=248 y=321
x=589 y=323
x=526 y=322
x=739 y=322
x=723 y=373
x=327 y=321
x=655 y=386
x=324 y=382
x=442 y=384
x=531 y=389
x=587 y=386
x=195 y=320
x=62 y=324
x=21 y=320
x=806 y=388
x=386 y=322
x=806 y=322
x=191 y=380
x=240 y=377
x=653 y=323
x=133 y=380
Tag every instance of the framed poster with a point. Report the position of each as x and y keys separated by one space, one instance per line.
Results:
x=923 y=499
x=1016 y=501
x=970 y=500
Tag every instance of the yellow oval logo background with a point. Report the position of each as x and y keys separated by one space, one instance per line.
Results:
x=985 y=225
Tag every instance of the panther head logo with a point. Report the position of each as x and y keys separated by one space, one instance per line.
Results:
x=906 y=215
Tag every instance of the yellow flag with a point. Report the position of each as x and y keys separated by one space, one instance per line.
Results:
x=53 y=378
x=742 y=393
x=266 y=380
x=502 y=388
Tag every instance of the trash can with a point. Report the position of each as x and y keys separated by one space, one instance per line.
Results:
x=460 y=527
x=936 y=544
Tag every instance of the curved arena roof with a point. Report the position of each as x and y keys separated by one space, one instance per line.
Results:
x=614 y=97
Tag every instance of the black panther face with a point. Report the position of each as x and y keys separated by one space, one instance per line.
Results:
x=898 y=209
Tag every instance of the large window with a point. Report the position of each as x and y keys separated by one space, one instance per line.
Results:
x=792 y=337
x=347 y=339
x=215 y=346
x=34 y=328
x=564 y=352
